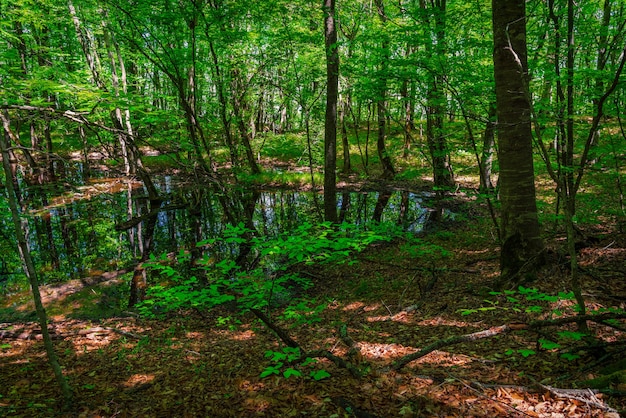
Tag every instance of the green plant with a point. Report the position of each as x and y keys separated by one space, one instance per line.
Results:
x=518 y=301
x=526 y=300
x=269 y=283
x=290 y=356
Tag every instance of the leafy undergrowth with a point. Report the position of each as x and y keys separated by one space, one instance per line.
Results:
x=209 y=363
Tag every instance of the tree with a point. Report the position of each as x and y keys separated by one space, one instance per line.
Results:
x=28 y=265
x=330 y=124
x=522 y=244
x=381 y=102
x=436 y=98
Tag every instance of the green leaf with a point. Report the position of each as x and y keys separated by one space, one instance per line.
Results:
x=526 y=352
x=465 y=312
x=548 y=345
x=572 y=335
x=319 y=375
x=292 y=372
x=308 y=361
x=270 y=370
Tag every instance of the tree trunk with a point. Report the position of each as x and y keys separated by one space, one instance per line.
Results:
x=522 y=244
x=240 y=106
x=347 y=167
x=486 y=159
x=28 y=266
x=443 y=176
x=381 y=101
x=330 y=126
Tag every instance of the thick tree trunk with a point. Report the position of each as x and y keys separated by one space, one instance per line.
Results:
x=330 y=126
x=443 y=176
x=522 y=244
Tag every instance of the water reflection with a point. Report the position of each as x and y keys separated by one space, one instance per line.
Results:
x=111 y=223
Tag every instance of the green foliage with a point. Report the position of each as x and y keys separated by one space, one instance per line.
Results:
x=268 y=284
x=290 y=355
x=524 y=300
x=518 y=301
x=524 y=352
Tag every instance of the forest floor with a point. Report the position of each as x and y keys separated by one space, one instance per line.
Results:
x=208 y=364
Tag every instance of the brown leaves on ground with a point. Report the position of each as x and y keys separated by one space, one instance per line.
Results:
x=209 y=364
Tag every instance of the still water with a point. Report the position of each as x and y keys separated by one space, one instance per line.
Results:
x=109 y=223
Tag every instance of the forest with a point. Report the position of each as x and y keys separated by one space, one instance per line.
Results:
x=341 y=208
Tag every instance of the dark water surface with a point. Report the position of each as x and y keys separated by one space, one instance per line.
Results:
x=108 y=223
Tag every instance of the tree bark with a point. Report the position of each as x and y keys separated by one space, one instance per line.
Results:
x=486 y=159
x=381 y=101
x=443 y=176
x=330 y=126
x=28 y=266
x=522 y=244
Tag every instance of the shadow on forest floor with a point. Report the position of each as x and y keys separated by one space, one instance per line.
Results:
x=209 y=363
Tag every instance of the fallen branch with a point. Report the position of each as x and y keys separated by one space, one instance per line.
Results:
x=282 y=334
x=284 y=337
x=339 y=362
x=491 y=332
x=503 y=329
x=586 y=396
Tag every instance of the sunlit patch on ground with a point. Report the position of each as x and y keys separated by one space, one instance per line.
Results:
x=441 y=321
x=138 y=379
x=244 y=335
x=353 y=306
x=381 y=351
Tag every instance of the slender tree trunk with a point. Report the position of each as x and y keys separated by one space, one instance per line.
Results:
x=240 y=106
x=330 y=126
x=381 y=101
x=522 y=244
x=344 y=135
x=21 y=231
x=486 y=159
x=223 y=105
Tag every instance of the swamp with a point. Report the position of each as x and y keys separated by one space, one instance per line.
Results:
x=289 y=209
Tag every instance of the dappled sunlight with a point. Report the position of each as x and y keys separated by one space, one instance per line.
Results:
x=195 y=335
x=14 y=352
x=234 y=334
x=84 y=346
x=391 y=352
x=138 y=379
x=353 y=306
x=439 y=321
x=402 y=317
x=358 y=306
x=254 y=400
x=381 y=351
x=243 y=335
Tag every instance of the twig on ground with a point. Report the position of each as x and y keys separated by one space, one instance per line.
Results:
x=491 y=398
x=403 y=361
